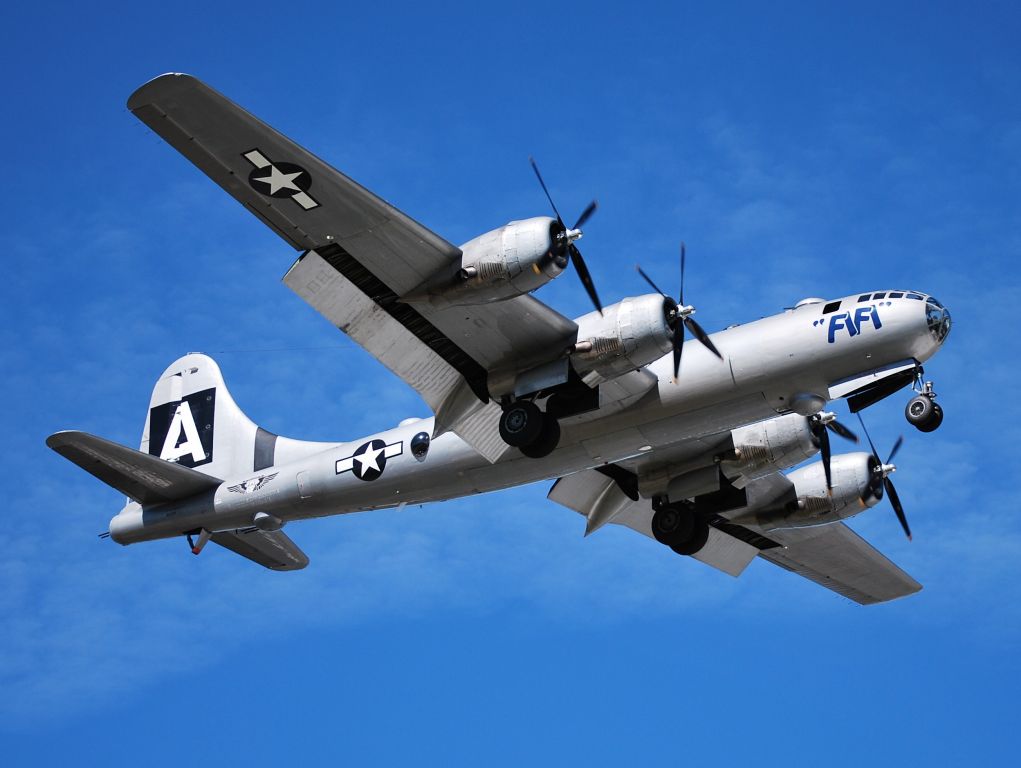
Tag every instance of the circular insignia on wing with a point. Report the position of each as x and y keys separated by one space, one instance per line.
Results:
x=370 y=460
x=280 y=180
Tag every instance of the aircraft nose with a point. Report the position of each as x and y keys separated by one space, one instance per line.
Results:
x=937 y=317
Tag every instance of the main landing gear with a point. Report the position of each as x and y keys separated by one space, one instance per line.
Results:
x=677 y=525
x=525 y=427
x=922 y=411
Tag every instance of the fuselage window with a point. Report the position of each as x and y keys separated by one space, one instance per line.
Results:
x=865 y=297
x=879 y=296
x=896 y=295
x=833 y=306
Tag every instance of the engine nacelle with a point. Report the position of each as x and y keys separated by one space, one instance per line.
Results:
x=856 y=487
x=768 y=446
x=628 y=335
x=513 y=260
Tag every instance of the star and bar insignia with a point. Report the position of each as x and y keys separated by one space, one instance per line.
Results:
x=369 y=459
x=280 y=179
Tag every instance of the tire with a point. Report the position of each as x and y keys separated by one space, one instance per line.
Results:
x=934 y=420
x=699 y=536
x=547 y=442
x=521 y=424
x=671 y=522
x=677 y=526
x=919 y=411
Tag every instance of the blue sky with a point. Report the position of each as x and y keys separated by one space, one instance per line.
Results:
x=799 y=151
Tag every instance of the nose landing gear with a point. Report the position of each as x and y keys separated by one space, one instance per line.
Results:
x=922 y=411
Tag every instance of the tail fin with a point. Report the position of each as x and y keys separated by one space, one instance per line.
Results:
x=194 y=422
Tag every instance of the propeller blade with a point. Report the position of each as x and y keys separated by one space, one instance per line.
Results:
x=701 y=335
x=895 y=501
x=681 y=299
x=586 y=214
x=678 y=340
x=586 y=278
x=649 y=280
x=896 y=447
x=824 y=447
x=867 y=437
x=843 y=431
x=543 y=185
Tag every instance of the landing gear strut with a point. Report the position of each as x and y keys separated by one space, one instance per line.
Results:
x=527 y=428
x=922 y=411
x=679 y=527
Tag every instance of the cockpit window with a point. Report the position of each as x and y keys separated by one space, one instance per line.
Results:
x=896 y=295
x=865 y=297
x=879 y=296
x=913 y=296
x=938 y=319
x=833 y=306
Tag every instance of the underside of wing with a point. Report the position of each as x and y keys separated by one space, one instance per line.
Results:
x=837 y=558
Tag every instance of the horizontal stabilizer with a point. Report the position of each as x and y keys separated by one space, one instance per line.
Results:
x=272 y=549
x=144 y=478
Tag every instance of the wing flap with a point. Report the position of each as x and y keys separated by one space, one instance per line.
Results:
x=837 y=558
x=273 y=549
x=144 y=478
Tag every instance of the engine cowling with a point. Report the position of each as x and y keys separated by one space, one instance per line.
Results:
x=509 y=261
x=856 y=487
x=628 y=335
x=768 y=446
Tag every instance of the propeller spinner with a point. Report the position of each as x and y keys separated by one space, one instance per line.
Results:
x=679 y=317
x=566 y=238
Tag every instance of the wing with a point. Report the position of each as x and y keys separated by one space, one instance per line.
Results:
x=362 y=256
x=272 y=549
x=837 y=558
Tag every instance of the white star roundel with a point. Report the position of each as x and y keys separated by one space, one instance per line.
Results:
x=369 y=459
x=280 y=179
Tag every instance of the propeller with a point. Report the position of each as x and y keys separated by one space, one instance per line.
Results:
x=820 y=425
x=881 y=478
x=566 y=237
x=679 y=317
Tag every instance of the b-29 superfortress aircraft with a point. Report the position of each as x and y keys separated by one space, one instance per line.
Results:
x=686 y=442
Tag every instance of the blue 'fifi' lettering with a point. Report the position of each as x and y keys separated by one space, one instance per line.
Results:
x=853 y=323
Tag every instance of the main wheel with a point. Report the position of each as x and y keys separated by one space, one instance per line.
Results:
x=521 y=424
x=671 y=522
x=547 y=441
x=695 y=541
x=677 y=526
x=919 y=411
x=935 y=419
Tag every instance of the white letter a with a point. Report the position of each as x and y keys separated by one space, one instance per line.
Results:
x=183 y=422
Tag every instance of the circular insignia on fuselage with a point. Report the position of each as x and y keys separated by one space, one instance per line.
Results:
x=280 y=180
x=369 y=460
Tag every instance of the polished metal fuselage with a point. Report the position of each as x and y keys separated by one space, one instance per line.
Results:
x=767 y=364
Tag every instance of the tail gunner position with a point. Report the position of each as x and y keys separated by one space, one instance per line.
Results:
x=685 y=441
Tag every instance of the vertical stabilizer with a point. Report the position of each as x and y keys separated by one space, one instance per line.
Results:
x=193 y=421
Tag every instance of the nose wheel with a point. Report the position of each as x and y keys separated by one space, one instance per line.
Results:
x=525 y=427
x=922 y=411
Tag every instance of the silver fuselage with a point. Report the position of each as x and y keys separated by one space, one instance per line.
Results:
x=767 y=363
